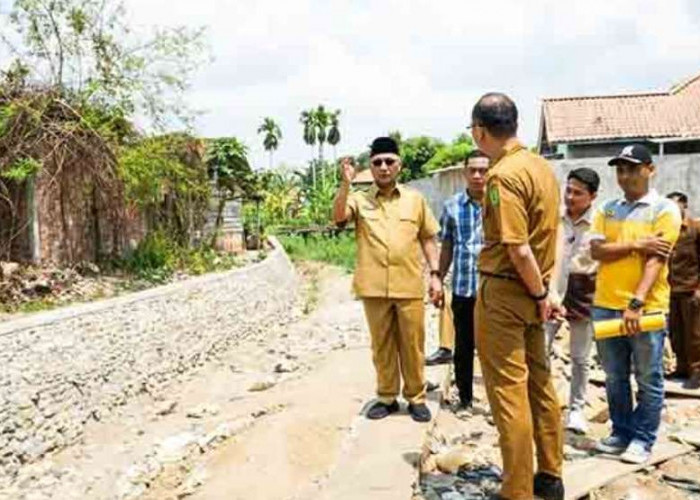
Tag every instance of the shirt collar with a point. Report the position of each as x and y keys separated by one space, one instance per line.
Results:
x=512 y=146
x=374 y=190
x=648 y=199
x=465 y=198
x=586 y=217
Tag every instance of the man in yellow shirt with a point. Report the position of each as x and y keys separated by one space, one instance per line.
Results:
x=632 y=238
x=393 y=224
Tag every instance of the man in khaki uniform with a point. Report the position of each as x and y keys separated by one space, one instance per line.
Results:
x=393 y=224
x=521 y=217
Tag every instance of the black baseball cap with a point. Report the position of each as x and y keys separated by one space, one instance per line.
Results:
x=634 y=153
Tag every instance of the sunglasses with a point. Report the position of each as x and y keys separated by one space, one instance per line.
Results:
x=387 y=161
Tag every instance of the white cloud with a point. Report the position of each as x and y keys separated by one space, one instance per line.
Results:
x=418 y=66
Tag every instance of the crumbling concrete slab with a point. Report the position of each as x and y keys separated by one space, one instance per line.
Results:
x=584 y=476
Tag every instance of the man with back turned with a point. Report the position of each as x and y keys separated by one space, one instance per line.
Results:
x=521 y=217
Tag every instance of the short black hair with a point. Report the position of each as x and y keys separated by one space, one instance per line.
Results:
x=497 y=113
x=475 y=153
x=677 y=195
x=586 y=176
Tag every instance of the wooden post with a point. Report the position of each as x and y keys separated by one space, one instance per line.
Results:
x=33 y=221
x=257 y=217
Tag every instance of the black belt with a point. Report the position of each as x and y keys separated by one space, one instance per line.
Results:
x=499 y=276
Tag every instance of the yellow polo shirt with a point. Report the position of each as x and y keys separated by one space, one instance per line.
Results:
x=388 y=232
x=619 y=221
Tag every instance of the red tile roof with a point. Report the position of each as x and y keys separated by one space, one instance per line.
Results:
x=671 y=114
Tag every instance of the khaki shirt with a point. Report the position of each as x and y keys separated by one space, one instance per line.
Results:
x=388 y=230
x=685 y=261
x=521 y=206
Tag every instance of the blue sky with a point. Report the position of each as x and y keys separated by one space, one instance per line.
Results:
x=418 y=66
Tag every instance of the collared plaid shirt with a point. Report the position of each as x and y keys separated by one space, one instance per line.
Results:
x=461 y=224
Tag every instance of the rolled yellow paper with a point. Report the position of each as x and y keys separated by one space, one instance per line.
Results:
x=608 y=328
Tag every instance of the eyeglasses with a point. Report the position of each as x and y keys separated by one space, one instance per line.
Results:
x=377 y=162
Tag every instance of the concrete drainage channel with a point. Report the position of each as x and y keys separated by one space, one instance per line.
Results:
x=448 y=469
x=63 y=369
x=173 y=458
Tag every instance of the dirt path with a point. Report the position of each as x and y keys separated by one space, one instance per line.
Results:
x=278 y=418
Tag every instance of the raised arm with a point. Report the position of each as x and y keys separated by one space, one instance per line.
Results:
x=341 y=212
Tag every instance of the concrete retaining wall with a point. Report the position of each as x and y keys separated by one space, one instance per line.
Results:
x=62 y=368
x=675 y=173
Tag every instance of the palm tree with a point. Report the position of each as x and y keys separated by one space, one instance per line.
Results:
x=307 y=119
x=334 y=132
x=321 y=122
x=273 y=134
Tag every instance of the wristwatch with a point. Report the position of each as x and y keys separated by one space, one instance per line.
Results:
x=538 y=298
x=635 y=304
x=436 y=273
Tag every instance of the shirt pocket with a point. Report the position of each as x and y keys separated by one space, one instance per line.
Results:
x=408 y=225
x=369 y=213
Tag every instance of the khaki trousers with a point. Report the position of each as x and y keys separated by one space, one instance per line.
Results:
x=397 y=328
x=510 y=341
x=447 y=325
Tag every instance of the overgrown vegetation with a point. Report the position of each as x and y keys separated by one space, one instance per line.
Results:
x=337 y=250
x=166 y=178
x=158 y=257
x=78 y=78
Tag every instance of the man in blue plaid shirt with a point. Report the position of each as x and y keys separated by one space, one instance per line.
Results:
x=462 y=238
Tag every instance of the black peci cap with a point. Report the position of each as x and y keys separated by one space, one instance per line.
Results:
x=384 y=145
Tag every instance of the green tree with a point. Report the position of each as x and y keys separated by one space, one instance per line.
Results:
x=227 y=162
x=86 y=48
x=273 y=134
x=452 y=154
x=334 y=131
x=320 y=126
x=396 y=135
x=167 y=178
x=415 y=153
x=321 y=122
x=308 y=121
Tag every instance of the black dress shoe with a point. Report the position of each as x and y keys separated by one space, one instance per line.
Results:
x=440 y=357
x=419 y=412
x=693 y=382
x=381 y=410
x=548 y=487
x=677 y=374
